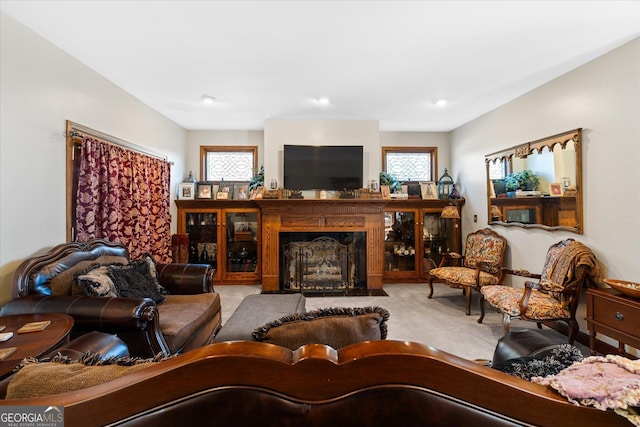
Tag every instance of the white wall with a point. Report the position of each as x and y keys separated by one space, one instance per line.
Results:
x=280 y=132
x=41 y=88
x=603 y=98
x=197 y=138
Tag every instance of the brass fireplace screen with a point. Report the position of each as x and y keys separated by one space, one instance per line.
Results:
x=320 y=265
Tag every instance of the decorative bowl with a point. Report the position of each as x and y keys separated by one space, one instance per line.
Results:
x=625 y=287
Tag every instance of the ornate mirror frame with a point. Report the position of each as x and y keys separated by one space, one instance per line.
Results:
x=561 y=209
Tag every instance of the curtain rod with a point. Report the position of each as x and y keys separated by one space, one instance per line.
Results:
x=80 y=129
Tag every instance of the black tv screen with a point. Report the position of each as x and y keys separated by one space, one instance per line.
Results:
x=323 y=167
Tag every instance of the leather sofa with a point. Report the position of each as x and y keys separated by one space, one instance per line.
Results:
x=188 y=318
x=244 y=383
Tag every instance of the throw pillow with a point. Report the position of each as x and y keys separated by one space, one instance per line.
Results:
x=138 y=279
x=95 y=282
x=335 y=327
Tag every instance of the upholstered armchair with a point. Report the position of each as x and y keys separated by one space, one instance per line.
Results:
x=481 y=265
x=556 y=294
x=187 y=317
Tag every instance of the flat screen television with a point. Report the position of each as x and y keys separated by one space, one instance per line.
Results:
x=324 y=167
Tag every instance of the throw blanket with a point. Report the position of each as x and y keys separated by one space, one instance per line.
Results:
x=572 y=256
x=610 y=382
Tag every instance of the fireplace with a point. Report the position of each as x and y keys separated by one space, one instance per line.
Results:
x=329 y=262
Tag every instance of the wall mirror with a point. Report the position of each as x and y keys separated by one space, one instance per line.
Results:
x=537 y=184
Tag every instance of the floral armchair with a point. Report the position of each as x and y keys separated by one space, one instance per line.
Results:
x=480 y=266
x=557 y=293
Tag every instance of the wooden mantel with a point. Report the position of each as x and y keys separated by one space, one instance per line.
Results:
x=316 y=215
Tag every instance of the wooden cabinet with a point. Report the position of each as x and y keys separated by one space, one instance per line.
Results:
x=241 y=238
x=226 y=236
x=615 y=315
x=415 y=239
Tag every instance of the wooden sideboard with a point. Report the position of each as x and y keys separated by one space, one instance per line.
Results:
x=614 y=315
x=275 y=216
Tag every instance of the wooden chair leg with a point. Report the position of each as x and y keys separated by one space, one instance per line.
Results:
x=573 y=330
x=481 y=302
x=467 y=291
x=430 y=288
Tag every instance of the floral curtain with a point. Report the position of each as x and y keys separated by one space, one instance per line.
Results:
x=123 y=196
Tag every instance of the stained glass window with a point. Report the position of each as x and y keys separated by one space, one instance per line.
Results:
x=410 y=163
x=229 y=163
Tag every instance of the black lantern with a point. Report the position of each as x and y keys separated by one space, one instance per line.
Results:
x=445 y=185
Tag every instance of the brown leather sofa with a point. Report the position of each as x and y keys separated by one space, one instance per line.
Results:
x=246 y=383
x=188 y=318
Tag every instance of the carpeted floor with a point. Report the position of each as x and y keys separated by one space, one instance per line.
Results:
x=439 y=322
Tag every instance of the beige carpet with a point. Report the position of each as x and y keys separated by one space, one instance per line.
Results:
x=439 y=322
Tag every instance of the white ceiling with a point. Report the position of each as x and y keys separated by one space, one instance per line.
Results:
x=375 y=60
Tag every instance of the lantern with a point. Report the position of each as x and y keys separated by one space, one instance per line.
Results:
x=445 y=185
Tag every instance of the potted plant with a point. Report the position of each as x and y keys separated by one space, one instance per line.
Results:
x=257 y=180
x=525 y=180
x=391 y=181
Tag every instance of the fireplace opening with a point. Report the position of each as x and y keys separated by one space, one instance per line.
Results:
x=333 y=262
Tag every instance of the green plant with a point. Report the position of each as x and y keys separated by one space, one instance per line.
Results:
x=257 y=180
x=525 y=180
x=391 y=181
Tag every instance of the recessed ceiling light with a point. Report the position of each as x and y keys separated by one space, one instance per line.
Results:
x=440 y=102
x=207 y=99
x=323 y=101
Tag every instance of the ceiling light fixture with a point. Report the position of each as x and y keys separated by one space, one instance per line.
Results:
x=323 y=101
x=207 y=99
x=440 y=102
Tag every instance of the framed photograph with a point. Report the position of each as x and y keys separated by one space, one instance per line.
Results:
x=386 y=191
x=256 y=193
x=222 y=195
x=205 y=190
x=241 y=191
x=186 y=191
x=555 y=189
x=429 y=190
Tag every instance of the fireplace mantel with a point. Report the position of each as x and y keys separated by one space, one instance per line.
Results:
x=321 y=216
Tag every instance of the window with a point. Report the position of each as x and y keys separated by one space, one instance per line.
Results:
x=497 y=169
x=228 y=163
x=410 y=163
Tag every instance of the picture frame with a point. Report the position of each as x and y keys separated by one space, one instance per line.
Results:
x=205 y=190
x=256 y=193
x=555 y=189
x=186 y=191
x=225 y=187
x=386 y=191
x=241 y=191
x=428 y=190
x=222 y=195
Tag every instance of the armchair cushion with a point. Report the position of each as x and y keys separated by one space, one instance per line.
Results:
x=484 y=248
x=541 y=305
x=336 y=327
x=463 y=275
x=181 y=316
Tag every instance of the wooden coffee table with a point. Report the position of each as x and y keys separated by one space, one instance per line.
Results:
x=33 y=344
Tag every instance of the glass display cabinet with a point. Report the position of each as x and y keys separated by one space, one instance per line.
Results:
x=227 y=238
x=400 y=249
